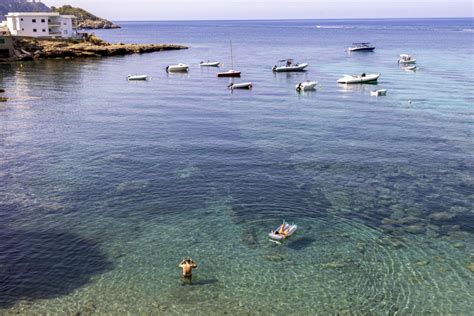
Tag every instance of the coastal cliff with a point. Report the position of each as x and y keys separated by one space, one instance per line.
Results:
x=84 y=19
x=33 y=48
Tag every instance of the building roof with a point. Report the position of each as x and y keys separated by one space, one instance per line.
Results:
x=51 y=14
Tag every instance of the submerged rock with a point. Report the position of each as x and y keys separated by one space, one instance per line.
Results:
x=274 y=258
x=442 y=216
x=422 y=263
x=459 y=245
x=470 y=267
x=415 y=229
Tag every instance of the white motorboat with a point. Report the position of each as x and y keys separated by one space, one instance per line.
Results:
x=361 y=47
x=209 y=63
x=137 y=77
x=177 y=68
x=283 y=231
x=242 y=85
x=378 y=93
x=406 y=60
x=306 y=86
x=289 y=66
x=363 y=78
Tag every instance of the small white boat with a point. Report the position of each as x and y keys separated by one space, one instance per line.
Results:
x=306 y=86
x=209 y=64
x=243 y=85
x=137 y=77
x=289 y=66
x=361 y=47
x=283 y=231
x=378 y=93
x=406 y=60
x=410 y=68
x=177 y=68
x=363 y=78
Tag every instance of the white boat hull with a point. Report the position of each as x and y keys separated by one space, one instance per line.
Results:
x=347 y=79
x=306 y=86
x=299 y=67
x=137 y=77
x=407 y=62
x=210 y=64
x=177 y=68
x=243 y=85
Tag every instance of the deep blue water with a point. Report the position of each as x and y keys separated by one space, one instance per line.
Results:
x=106 y=184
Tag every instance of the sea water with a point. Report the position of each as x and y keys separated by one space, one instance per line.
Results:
x=105 y=185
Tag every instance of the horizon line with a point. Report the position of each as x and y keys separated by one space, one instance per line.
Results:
x=299 y=19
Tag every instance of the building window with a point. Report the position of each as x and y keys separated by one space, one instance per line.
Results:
x=34 y=21
x=21 y=19
x=44 y=31
x=49 y=20
x=2 y=41
x=49 y=30
x=65 y=31
x=43 y=20
x=23 y=30
x=64 y=23
x=35 y=30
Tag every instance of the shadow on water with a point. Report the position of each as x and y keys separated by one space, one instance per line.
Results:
x=194 y=282
x=44 y=265
x=301 y=243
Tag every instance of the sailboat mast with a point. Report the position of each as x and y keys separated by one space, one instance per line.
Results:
x=231 y=54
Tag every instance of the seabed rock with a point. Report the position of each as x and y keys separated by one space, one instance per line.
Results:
x=274 y=258
x=442 y=216
x=459 y=245
x=470 y=267
x=415 y=229
x=422 y=263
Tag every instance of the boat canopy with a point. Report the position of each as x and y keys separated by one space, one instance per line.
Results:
x=361 y=44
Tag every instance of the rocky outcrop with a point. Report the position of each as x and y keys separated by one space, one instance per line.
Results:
x=91 y=47
x=84 y=19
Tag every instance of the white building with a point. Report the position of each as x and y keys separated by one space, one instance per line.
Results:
x=40 y=24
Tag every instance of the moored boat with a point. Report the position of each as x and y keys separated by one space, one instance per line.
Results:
x=177 y=68
x=209 y=63
x=229 y=74
x=361 y=47
x=406 y=59
x=306 y=86
x=242 y=85
x=363 y=78
x=289 y=66
x=283 y=231
x=137 y=77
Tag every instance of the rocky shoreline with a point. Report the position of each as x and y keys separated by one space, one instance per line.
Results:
x=34 y=49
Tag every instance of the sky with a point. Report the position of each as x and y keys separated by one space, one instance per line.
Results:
x=136 y=10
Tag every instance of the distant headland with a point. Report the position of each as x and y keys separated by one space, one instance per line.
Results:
x=84 y=19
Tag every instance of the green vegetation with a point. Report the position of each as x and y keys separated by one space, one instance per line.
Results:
x=84 y=19
x=79 y=13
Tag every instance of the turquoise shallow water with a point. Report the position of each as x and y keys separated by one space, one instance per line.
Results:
x=107 y=184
